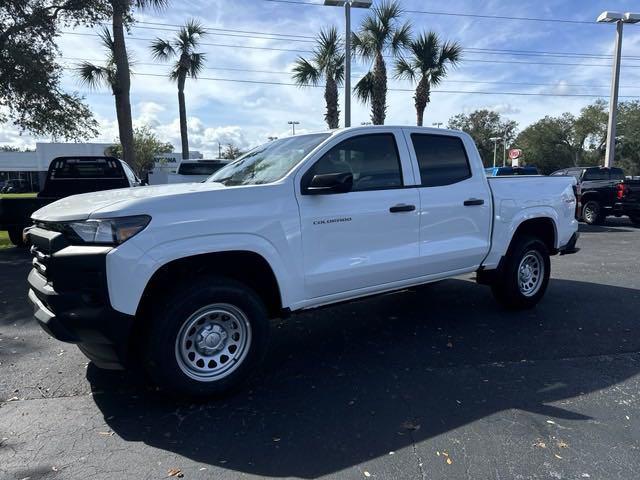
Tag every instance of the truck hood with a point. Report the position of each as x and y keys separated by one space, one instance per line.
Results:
x=80 y=207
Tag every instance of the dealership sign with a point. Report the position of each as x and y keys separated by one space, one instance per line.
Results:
x=515 y=153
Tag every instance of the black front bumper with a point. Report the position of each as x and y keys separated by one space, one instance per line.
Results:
x=69 y=294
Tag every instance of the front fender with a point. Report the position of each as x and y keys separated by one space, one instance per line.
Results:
x=129 y=269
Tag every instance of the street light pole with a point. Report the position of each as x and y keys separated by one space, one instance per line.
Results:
x=504 y=152
x=293 y=124
x=495 y=141
x=619 y=19
x=347 y=4
x=347 y=65
x=613 y=99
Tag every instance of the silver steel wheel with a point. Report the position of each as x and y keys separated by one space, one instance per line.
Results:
x=530 y=273
x=213 y=342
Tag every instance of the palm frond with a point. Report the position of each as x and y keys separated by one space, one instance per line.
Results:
x=388 y=12
x=152 y=4
x=196 y=64
x=305 y=72
x=162 y=50
x=404 y=69
x=401 y=37
x=94 y=76
x=364 y=88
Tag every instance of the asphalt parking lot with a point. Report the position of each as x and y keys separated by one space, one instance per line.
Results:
x=434 y=382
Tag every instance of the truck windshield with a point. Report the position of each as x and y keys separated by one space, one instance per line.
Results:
x=269 y=162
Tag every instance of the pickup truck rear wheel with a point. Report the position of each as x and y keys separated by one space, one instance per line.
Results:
x=592 y=213
x=524 y=276
x=207 y=338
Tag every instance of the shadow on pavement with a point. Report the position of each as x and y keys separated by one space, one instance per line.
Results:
x=353 y=382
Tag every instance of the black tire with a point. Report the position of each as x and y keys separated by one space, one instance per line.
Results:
x=635 y=220
x=168 y=367
x=592 y=213
x=507 y=287
x=15 y=235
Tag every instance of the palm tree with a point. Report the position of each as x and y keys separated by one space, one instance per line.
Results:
x=122 y=79
x=327 y=62
x=96 y=76
x=427 y=65
x=188 y=64
x=380 y=33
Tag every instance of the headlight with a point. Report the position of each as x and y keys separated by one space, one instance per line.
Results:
x=111 y=231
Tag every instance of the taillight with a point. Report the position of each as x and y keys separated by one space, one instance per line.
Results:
x=620 y=190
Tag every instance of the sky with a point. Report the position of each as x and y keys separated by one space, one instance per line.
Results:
x=223 y=106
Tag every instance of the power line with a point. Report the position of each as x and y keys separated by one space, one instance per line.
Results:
x=471 y=15
x=469 y=92
x=298 y=51
x=280 y=72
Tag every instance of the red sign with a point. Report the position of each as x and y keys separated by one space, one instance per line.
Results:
x=515 y=153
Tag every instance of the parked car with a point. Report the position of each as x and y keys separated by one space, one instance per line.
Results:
x=183 y=279
x=66 y=176
x=16 y=186
x=598 y=187
x=195 y=170
x=628 y=200
x=500 y=171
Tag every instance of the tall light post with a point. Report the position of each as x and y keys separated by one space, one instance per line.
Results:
x=619 y=19
x=504 y=151
x=495 y=141
x=347 y=4
x=437 y=124
x=293 y=124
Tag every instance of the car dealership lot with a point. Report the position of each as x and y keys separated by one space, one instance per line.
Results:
x=433 y=382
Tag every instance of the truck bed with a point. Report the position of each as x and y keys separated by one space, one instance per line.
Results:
x=525 y=197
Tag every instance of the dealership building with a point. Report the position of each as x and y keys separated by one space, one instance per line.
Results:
x=33 y=166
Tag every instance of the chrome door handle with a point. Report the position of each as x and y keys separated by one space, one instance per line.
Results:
x=473 y=201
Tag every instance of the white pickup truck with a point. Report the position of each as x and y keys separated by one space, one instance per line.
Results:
x=183 y=279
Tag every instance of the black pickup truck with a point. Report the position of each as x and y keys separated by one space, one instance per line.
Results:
x=66 y=176
x=629 y=200
x=598 y=191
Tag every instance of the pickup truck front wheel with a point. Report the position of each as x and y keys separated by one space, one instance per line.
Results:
x=208 y=338
x=15 y=236
x=524 y=276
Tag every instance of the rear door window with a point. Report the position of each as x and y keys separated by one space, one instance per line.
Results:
x=442 y=159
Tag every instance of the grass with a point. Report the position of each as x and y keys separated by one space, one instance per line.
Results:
x=18 y=195
x=4 y=240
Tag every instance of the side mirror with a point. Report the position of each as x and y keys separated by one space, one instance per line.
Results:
x=330 y=183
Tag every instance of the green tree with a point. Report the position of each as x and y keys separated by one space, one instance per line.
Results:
x=327 y=62
x=381 y=33
x=122 y=11
x=628 y=132
x=553 y=143
x=189 y=63
x=147 y=145
x=31 y=94
x=231 y=152
x=483 y=125
x=427 y=65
